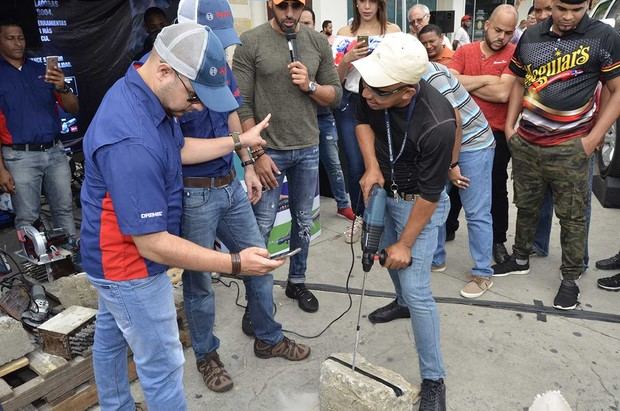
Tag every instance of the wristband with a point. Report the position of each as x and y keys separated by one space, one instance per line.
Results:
x=256 y=157
x=235 y=136
x=258 y=150
x=235 y=260
x=248 y=163
x=456 y=163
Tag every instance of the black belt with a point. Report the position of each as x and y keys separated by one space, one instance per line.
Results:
x=403 y=195
x=33 y=147
x=209 y=182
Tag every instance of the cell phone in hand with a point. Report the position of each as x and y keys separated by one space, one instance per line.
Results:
x=51 y=62
x=285 y=255
x=362 y=39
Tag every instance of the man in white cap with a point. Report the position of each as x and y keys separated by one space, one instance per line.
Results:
x=215 y=204
x=131 y=205
x=406 y=132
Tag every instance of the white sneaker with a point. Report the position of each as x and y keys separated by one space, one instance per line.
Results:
x=354 y=231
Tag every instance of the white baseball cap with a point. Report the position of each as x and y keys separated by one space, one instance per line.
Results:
x=399 y=58
x=196 y=52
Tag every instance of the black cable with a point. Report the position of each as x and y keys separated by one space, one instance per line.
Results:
x=229 y=285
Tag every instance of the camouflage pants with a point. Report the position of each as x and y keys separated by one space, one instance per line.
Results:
x=563 y=168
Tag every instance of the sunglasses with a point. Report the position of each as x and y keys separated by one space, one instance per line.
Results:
x=192 y=97
x=295 y=5
x=381 y=93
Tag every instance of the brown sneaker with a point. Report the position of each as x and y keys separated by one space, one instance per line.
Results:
x=214 y=374
x=286 y=348
x=476 y=287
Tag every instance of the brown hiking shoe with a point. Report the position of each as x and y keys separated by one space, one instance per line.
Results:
x=286 y=348
x=214 y=374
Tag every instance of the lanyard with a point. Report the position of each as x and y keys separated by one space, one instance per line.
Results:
x=388 y=128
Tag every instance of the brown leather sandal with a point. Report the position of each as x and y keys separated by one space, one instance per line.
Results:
x=214 y=374
x=286 y=348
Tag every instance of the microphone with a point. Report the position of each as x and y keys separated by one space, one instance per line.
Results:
x=291 y=38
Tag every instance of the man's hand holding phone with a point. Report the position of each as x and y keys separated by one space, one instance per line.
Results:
x=53 y=74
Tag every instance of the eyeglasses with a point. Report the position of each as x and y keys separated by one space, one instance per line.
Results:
x=380 y=93
x=192 y=97
x=418 y=21
x=295 y=5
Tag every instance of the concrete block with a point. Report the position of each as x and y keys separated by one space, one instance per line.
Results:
x=74 y=290
x=5 y=390
x=14 y=340
x=341 y=388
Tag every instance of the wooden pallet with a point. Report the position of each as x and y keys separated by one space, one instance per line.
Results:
x=57 y=385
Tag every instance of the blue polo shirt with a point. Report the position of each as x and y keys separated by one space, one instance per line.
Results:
x=133 y=182
x=210 y=124
x=28 y=110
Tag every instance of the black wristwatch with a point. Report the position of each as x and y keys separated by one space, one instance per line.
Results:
x=65 y=90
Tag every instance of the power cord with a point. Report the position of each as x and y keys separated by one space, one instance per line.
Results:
x=275 y=310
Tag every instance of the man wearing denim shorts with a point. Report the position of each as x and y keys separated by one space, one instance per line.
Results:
x=406 y=130
x=132 y=207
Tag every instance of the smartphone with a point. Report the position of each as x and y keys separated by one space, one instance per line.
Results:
x=362 y=39
x=285 y=255
x=51 y=62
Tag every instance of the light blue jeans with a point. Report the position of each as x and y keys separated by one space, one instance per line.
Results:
x=226 y=213
x=413 y=284
x=476 y=199
x=141 y=314
x=301 y=168
x=328 y=154
x=33 y=170
x=345 y=122
x=543 y=228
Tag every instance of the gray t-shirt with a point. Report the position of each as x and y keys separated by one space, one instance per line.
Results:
x=259 y=65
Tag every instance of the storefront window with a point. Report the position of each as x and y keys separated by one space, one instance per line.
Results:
x=397 y=9
x=483 y=9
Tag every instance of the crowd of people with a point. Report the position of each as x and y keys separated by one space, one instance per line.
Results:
x=434 y=123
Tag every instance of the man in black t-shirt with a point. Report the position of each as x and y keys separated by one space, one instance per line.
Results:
x=558 y=64
x=406 y=131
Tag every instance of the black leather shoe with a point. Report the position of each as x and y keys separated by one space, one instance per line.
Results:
x=432 y=396
x=246 y=323
x=611 y=263
x=387 y=313
x=305 y=299
x=500 y=254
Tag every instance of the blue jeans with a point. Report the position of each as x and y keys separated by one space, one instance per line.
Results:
x=301 y=168
x=33 y=170
x=345 y=122
x=413 y=284
x=328 y=154
x=476 y=200
x=543 y=228
x=226 y=213
x=140 y=313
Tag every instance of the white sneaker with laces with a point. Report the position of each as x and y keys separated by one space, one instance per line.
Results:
x=354 y=231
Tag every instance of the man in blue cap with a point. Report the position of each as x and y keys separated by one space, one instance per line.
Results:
x=215 y=204
x=131 y=204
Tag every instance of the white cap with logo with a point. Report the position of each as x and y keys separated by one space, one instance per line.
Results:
x=399 y=58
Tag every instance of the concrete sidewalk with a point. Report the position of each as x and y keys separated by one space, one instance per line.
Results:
x=496 y=359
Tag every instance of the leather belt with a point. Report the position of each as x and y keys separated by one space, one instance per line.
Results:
x=209 y=182
x=403 y=195
x=33 y=147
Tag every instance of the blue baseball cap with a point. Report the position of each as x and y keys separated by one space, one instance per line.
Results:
x=196 y=52
x=213 y=13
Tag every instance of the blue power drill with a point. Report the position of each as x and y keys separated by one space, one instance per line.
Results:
x=373 y=226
